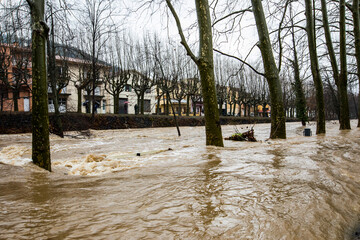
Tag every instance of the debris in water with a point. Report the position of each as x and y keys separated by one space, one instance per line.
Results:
x=138 y=154
x=245 y=136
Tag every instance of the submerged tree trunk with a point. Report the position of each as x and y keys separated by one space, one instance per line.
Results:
x=343 y=81
x=40 y=118
x=340 y=79
x=278 y=128
x=205 y=64
x=207 y=77
x=356 y=18
x=320 y=105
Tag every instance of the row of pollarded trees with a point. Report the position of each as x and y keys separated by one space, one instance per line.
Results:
x=281 y=43
x=278 y=44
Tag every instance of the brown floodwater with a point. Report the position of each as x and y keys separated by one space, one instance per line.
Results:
x=299 y=188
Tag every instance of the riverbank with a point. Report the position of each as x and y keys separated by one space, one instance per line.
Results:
x=13 y=123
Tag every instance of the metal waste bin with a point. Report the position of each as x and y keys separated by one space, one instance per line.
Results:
x=307 y=132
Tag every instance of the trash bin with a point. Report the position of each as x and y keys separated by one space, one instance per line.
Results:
x=307 y=132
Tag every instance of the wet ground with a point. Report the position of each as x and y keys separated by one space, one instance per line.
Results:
x=299 y=188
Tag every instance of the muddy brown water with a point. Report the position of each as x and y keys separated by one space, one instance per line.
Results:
x=299 y=188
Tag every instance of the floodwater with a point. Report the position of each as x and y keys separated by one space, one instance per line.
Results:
x=299 y=188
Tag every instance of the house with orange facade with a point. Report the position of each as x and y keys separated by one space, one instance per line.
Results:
x=15 y=78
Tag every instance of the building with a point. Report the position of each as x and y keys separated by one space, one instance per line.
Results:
x=15 y=78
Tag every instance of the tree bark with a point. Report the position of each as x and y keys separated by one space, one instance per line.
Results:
x=278 y=128
x=116 y=103
x=142 y=103
x=206 y=69
x=79 y=103
x=356 y=18
x=343 y=82
x=320 y=105
x=187 y=105
x=40 y=118
x=340 y=79
x=16 y=100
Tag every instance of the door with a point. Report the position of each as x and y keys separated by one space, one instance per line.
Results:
x=123 y=105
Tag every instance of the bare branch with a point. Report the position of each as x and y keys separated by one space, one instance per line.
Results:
x=249 y=9
x=242 y=61
x=183 y=40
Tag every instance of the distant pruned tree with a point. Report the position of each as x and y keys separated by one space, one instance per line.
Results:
x=119 y=74
x=96 y=25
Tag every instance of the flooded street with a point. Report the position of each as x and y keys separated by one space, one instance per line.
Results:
x=299 y=188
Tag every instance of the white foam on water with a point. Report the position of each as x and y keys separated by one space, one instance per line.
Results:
x=14 y=155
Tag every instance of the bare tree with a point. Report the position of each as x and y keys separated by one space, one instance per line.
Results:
x=206 y=69
x=119 y=74
x=59 y=76
x=97 y=24
x=278 y=129
x=340 y=77
x=143 y=73
x=40 y=118
x=356 y=20
x=320 y=104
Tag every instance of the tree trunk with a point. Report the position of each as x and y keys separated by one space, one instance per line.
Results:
x=79 y=103
x=40 y=118
x=278 y=128
x=116 y=102
x=343 y=82
x=142 y=103
x=16 y=100
x=179 y=104
x=320 y=105
x=234 y=109
x=300 y=100
x=194 y=107
x=166 y=105
x=158 y=105
x=356 y=18
x=187 y=105
x=206 y=69
x=175 y=118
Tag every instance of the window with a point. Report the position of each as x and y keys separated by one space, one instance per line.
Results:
x=104 y=105
x=147 y=104
x=62 y=104
x=63 y=91
x=97 y=91
x=127 y=88
x=148 y=91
